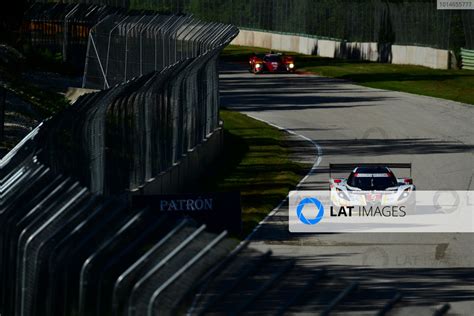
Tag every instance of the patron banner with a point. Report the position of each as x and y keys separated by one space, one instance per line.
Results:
x=219 y=210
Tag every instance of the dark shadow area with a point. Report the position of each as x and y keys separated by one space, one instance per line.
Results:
x=292 y=100
x=55 y=82
x=248 y=101
x=233 y=152
x=20 y=118
x=386 y=36
x=385 y=52
x=13 y=134
x=262 y=284
x=290 y=92
x=347 y=51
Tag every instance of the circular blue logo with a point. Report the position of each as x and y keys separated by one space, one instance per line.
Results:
x=319 y=207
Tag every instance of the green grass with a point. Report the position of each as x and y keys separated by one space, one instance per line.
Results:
x=457 y=85
x=45 y=101
x=45 y=60
x=256 y=162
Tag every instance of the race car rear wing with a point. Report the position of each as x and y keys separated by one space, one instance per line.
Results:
x=350 y=166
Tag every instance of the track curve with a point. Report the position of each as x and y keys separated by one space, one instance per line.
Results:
x=355 y=124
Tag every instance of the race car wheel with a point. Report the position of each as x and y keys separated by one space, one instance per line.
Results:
x=256 y=71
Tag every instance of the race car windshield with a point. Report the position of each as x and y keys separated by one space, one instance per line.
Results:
x=372 y=183
x=272 y=58
x=372 y=179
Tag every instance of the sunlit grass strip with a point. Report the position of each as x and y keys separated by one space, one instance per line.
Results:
x=257 y=162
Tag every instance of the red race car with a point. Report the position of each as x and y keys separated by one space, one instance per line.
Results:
x=271 y=62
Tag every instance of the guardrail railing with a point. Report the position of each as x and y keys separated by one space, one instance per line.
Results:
x=70 y=243
x=467 y=59
x=65 y=251
x=63 y=28
x=162 y=101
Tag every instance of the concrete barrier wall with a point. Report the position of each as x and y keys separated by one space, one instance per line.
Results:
x=396 y=54
x=423 y=56
x=188 y=170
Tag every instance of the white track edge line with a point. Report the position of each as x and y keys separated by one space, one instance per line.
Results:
x=317 y=162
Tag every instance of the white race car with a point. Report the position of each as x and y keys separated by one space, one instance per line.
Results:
x=371 y=184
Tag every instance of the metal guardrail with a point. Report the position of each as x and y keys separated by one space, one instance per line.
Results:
x=142 y=44
x=124 y=136
x=127 y=280
x=165 y=295
x=141 y=292
x=63 y=28
x=65 y=250
x=467 y=59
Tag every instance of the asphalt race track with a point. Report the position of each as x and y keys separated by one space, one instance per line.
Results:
x=353 y=124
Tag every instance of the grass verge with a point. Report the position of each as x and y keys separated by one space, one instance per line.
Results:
x=257 y=162
x=46 y=102
x=456 y=85
x=27 y=102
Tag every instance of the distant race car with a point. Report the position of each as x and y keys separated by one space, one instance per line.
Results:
x=272 y=62
x=371 y=184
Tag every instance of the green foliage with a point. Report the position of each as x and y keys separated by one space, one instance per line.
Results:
x=413 y=22
x=45 y=101
x=256 y=161
x=45 y=60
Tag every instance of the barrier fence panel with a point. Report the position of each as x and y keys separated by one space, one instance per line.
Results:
x=69 y=233
x=143 y=125
x=62 y=28
x=66 y=251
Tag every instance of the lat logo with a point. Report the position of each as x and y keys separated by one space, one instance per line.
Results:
x=308 y=202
